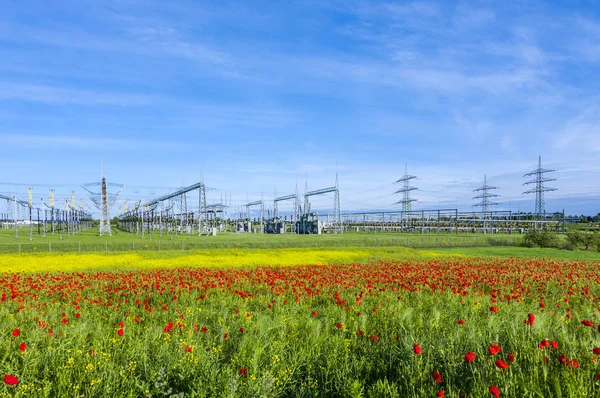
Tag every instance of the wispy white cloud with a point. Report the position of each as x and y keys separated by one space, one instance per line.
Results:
x=65 y=95
x=80 y=142
x=581 y=133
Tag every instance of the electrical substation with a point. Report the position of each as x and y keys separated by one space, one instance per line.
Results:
x=186 y=211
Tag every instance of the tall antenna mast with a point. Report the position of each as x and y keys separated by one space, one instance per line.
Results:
x=406 y=190
x=540 y=188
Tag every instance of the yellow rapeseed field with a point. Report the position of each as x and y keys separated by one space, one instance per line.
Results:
x=46 y=262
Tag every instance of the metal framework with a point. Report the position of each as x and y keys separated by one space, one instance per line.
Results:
x=174 y=212
x=449 y=221
x=540 y=188
x=104 y=200
x=406 y=189
x=337 y=217
x=485 y=203
x=262 y=212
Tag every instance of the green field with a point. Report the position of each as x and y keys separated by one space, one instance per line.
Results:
x=89 y=241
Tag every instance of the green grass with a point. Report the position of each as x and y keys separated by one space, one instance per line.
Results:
x=388 y=245
x=89 y=241
x=304 y=331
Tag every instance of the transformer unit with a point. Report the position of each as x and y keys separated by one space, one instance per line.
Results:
x=275 y=226
x=309 y=224
x=244 y=226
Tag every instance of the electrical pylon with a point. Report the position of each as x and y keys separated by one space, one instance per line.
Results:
x=540 y=188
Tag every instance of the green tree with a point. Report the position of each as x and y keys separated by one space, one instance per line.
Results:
x=589 y=239
x=542 y=238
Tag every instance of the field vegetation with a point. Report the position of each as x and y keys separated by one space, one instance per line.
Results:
x=445 y=326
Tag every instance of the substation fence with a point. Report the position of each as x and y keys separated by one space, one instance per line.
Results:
x=192 y=245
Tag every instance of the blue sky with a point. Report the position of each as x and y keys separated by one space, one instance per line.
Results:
x=263 y=94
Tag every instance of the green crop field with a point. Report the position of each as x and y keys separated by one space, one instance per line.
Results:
x=89 y=241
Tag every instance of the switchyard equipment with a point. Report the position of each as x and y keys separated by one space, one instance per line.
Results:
x=277 y=224
x=21 y=213
x=309 y=223
x=540 y=187
x=171 y=213
x=262 y=211
x=337 y=225
x=449 y=221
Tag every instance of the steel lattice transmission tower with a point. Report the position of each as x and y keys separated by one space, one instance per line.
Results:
x=540 y=188
x=104 y=201
x=104 y=209
x=406 y=190
x=485 y=196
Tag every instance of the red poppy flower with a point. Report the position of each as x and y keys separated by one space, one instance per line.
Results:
x=461 y=322
x=314 y=313
x=470 y=357
x=204 y=329
x=137 y=319
x=553 y=344
x=440 y=394
x=437 y=377
x=22 y=347
x=339 y=325
x=189 y=349
x=374 y=337
x=64 y=321
x=16 y=332
x=494 y=349
x=562 y=358
x=120 y=332
x=598 y=376
x=501 y=364
x=530 y=319
x=225 y=335
x=574 y=364
x=543 y=344
x=417 y=349
x=494 y=391
x=585 y=322
x=596 y=351
x=493 y=309
x=241 y=330
x=11 y=380
x=243 y=371
x=510 y=357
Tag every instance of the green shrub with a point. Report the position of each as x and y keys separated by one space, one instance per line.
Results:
x=542 y=238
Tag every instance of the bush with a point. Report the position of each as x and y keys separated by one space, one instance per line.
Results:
x=574 y=239
x=580 y=238
x=542 y=238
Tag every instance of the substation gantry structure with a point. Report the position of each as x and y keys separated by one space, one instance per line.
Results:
x=22 y=213
x=171 y=214
x=307 y=221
